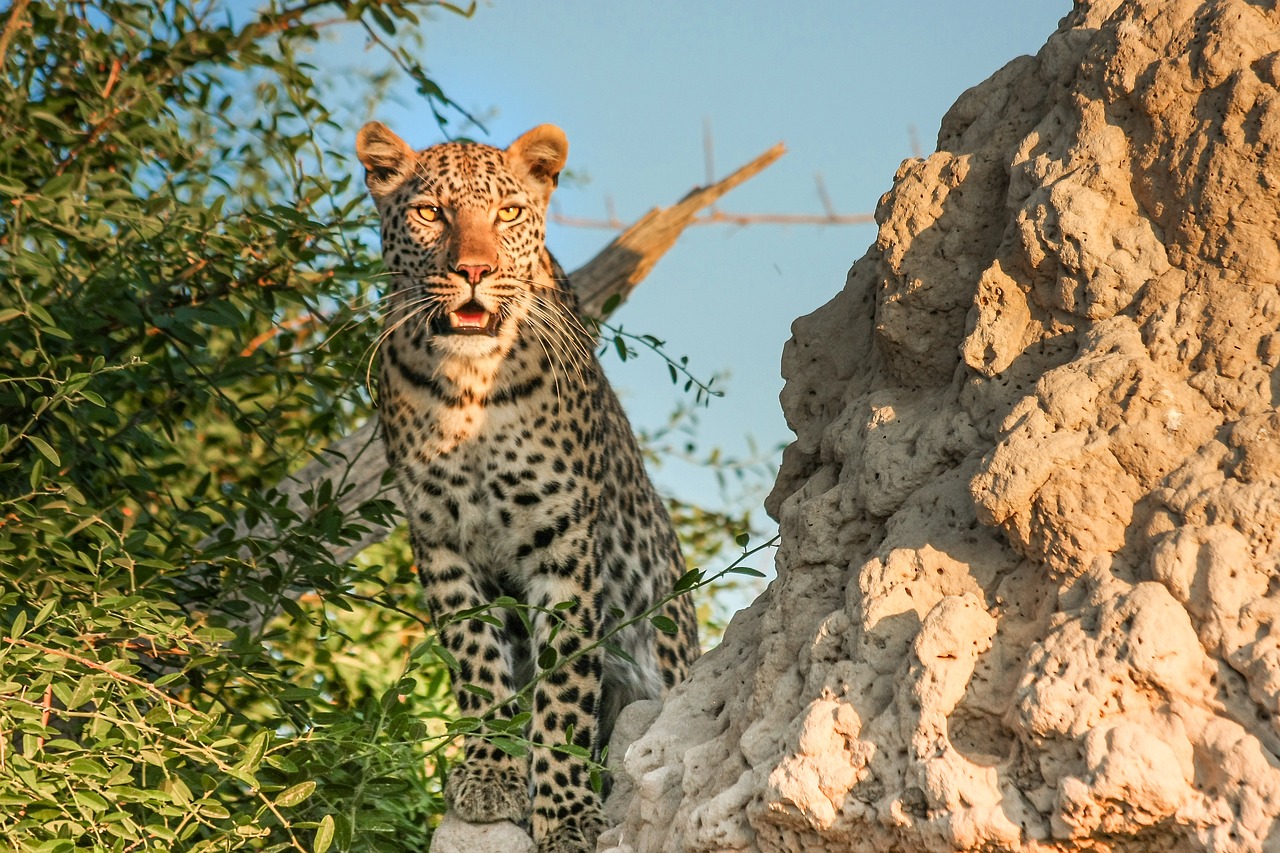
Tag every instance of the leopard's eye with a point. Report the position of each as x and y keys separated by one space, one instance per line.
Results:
x=509 y=213
x=425 y=212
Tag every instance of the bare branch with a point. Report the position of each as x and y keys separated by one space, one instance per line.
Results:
x=719 y=217
x=11 y=26
x=628 y=259
x=715 y=216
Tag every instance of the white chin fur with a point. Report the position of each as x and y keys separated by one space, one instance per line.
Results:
x=469 y=346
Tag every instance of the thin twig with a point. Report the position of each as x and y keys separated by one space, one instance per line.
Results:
x=295 y=324
x=11 y=26
x=46 y=708
x=722 y=218
x=93 y=664
x=112 y=78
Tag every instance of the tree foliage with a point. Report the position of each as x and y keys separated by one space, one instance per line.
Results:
x=187 y=293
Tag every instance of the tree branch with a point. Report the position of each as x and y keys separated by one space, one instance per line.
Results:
x=356 y=464
x=11 y=26
x=627 y=260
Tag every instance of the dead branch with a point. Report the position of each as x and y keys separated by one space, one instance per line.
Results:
x=719 y=217
x=628 y=259
x=356 y=465
x=11 y=26
x=715 y=216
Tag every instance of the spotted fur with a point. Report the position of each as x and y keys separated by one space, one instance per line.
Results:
x=519 y=472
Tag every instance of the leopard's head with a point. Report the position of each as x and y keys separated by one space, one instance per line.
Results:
x=463 y=231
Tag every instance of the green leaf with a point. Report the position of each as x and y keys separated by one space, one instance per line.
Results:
x=58 y=186
x=618 y=652
x=478 y=691
x=299 y=792
x=254 y=751
x=44 y=612
x=45 y=450
x=664 y=624
x=324 y=835
x=510 y=747
x=747 y=571
x=688 y=580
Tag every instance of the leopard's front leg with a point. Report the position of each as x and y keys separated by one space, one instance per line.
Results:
x=567 y=814
x=489 y=784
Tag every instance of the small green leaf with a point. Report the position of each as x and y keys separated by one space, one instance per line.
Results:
x=478 y=691
x=45 y=450
x=617 y=651
x=689 y=580
x=664 y=624
x=746 y=570
x=509 y=746
x=742 y=539
x=324 y=835
x=45 y=611
x=254 y=751
x=296 y=794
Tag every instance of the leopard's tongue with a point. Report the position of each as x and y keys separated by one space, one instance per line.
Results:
x=469 y=316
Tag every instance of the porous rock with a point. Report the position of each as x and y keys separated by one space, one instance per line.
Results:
x=455 y=835
x=1030 y=558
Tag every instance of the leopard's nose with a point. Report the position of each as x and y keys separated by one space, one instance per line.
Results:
x=473 y=272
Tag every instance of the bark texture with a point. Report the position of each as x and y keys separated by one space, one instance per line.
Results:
x=1030 y=565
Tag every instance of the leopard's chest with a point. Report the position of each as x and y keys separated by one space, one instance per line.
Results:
x=487 y=480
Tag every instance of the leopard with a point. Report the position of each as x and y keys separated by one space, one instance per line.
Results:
x=521 y=479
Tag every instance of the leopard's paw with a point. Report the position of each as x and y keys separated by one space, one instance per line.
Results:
x=574 y=834
x=484 y=793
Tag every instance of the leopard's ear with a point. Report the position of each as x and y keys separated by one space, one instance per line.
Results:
x=537 y=158
x=386 y=157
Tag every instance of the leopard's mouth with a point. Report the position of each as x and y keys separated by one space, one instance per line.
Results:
x=470 y=319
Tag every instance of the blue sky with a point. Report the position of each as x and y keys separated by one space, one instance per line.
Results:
x=844 y=83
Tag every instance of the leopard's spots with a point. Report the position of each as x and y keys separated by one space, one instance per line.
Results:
x=519 y=472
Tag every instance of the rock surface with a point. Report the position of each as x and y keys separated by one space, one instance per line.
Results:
x=1030 y=563
x=455 y=835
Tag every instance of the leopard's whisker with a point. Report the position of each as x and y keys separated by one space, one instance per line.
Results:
x=545 y=324
x=416 y=307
